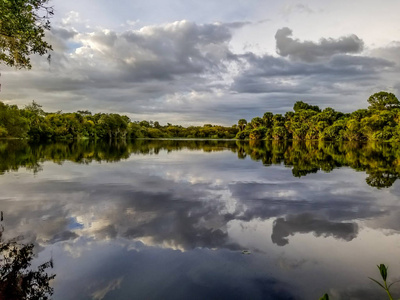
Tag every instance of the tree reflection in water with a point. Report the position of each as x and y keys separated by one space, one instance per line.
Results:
x=17 y=279
x=380 y=161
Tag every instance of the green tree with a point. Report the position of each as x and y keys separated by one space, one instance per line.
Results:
x=242 y=124
x=12 y=123
x=22 y=30
x=35 y=108
x=299 y=105
x=257 y=133
x=256 y=122
x=383 y=100
x=267 y=118
x=279 y=133
x=278 y=120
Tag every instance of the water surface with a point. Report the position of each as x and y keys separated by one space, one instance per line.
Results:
x=170 y=219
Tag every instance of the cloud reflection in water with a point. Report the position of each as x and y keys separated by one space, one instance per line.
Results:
x=168 y=221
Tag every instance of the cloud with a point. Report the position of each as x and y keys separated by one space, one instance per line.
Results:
x=141 y=215
x=175 y=218
x=275 y=200
x=397 y=87
x=289 y=9
x=391 y=52
x=190 y=73
x=180 y=208
x=63 y=236
x=137 y=270
x=133 y=71
x=161 y=52
x=107 y=287
x=281 y=81
x=305 y=223
x=309 y=51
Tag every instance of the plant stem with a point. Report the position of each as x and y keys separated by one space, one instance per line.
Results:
x=387 y=291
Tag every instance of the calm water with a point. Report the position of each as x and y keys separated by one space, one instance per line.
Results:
x=170 y=219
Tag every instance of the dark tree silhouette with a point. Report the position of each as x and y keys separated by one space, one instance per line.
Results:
x=17 y=279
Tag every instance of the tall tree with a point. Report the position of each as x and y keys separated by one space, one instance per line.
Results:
x=22 y=31
x=299 y=105
x=383 y=100
x=267 y=118
x=242 y=124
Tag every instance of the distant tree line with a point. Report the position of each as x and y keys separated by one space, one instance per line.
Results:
x=381 y=121
x=33 y=123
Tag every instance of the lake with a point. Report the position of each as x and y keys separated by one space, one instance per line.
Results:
x=175 y=219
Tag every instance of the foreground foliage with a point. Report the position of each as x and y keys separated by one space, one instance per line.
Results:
x=17 y=279
x=383 y=270
x=22 y=29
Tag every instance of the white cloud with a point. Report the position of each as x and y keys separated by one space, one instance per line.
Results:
x=214 y=68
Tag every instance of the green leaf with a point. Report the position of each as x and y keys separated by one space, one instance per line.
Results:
x=324 y=297
x=377 y=283
x=383 y=270
x=397 y=281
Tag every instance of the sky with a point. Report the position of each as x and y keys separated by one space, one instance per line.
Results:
x=195 y=62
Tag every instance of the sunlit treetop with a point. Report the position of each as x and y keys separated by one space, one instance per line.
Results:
x=382 y=101
x=22 y=30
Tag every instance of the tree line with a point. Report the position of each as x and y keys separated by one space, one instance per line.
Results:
x=381 y=121
x=33 y=123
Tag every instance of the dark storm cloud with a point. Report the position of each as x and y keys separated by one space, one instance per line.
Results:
x=325 y=73
x=338 y=65
x=268 y=74
x=63 y=33
x=295 y=198
x=309 y=51
x=164 y=52
x=306 y=223
x=390 y=52
x=63 y=236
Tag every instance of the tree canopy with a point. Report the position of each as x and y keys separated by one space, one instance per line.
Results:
x=383 y=100
x=381 y=121
x=302 y=105
x=22 y=31
x=306 y=122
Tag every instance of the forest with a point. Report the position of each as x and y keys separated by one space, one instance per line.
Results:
x=379 y=122
x=35 y=124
